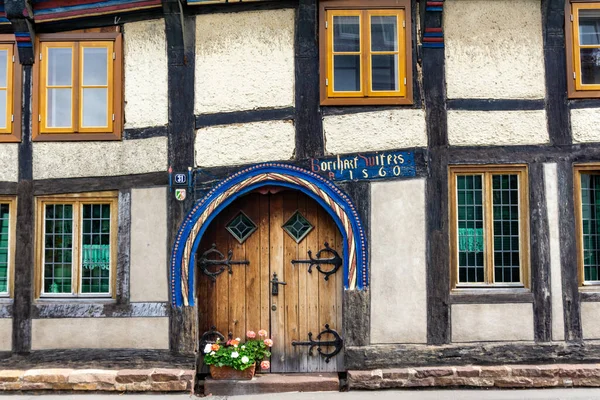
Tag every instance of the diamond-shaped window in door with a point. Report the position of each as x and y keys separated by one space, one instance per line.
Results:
x=297 y=227
x=241 y=227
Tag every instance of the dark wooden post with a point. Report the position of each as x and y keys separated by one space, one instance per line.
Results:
x=181 y=40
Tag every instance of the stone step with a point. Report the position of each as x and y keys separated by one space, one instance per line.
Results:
x=274 y=383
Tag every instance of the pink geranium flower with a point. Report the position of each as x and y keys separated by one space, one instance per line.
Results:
x=262 y=333
x=268 y=342
x=265 y=365
x=251 y=334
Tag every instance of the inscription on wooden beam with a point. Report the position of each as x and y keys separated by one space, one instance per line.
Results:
x=366 y=166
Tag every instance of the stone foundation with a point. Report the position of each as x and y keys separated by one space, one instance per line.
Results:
x=503 y=376
x=126 y=380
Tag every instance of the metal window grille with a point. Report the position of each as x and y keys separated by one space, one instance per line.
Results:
x=470 y=229
x=58 y=248
x=590 y=207
x=505 y=193
x=4 y=246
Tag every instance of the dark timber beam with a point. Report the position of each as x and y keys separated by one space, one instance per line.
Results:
x=23 y=284
x=308 y=122
x=540 y=254
x=20 y=15
x=181 y=41
x=438 y=261
x=557 y=111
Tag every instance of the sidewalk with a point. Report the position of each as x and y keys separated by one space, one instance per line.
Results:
x=543 y=394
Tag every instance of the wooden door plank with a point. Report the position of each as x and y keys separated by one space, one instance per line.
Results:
x=276 y=264
x=253 y=302
x=312 y=282
x=301 y=272
x=265 y=272
x=339 y=285
x=222 y=281
x=237 y=280
x=290 y=291
x=327 y=294
x=206 y=295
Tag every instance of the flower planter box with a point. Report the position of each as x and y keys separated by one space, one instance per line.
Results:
x=228 y=373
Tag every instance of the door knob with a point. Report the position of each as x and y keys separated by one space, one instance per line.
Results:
x=274 y=307
x=275 y=284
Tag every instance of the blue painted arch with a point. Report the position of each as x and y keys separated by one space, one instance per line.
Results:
x=329 y=196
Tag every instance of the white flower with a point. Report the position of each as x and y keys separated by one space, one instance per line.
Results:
x=238 y=339
x=235 y=345
x=212 y=353
x=207 y=348
x=235 y=354
x=245 y=359
x=243 y=347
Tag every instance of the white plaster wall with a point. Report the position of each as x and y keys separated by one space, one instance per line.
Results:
x=100 y=333
x=245 y=143
x=244 y=61
x=146 y=95
x=492 y=322
x=494 y=49
x=6 y=334
x=481 y=128
x=380 y=130
x=78 y=159
x=398 y=264
x=9 y=160
x=590 y=323
x=148 y=268
x=551 y=189
x=585 y=125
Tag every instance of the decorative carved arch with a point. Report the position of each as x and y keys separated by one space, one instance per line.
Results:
x=330 y=197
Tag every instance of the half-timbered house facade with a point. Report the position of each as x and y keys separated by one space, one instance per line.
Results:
x=416 y=181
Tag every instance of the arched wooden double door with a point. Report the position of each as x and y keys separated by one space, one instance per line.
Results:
x=269 y=230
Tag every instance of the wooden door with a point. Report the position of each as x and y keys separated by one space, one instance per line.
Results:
x=243 y=300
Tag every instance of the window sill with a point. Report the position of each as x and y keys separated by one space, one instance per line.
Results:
x=589 y=293
x=491 y=295
x=74 y=137
x=5 y=299
x=365 y=101
x=78 y=300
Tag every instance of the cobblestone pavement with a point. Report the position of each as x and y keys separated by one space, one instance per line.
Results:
x=545 y=394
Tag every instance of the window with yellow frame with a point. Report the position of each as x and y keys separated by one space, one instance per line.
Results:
x=489 y=226
x=10 y=93
x=78 y=94
x=365 y=52
x=76 y=248
x=583 y=49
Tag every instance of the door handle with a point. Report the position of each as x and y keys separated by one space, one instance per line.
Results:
x=275 y=282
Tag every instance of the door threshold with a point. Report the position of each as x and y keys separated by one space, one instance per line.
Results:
x=275 y=383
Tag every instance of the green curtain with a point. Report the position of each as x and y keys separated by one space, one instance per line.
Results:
x=96 y=256
x=470 y=239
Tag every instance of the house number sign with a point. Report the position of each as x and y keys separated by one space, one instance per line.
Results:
x=382 y=165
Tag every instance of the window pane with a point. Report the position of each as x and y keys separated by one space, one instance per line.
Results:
x=384 y=69
x=4 y=241
x=3 y=113
x=589 y=27
x=59 y=108
x=95 y=258
x=590 y=66
x=58 y=248
x=346 y=73
x=3 y=67
x=59 y=66
x=95 y=66
x=95 y=107
x=346 y=33
x=384 y=33
x=506 y=228
x=590 y=203
x=470 y=229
